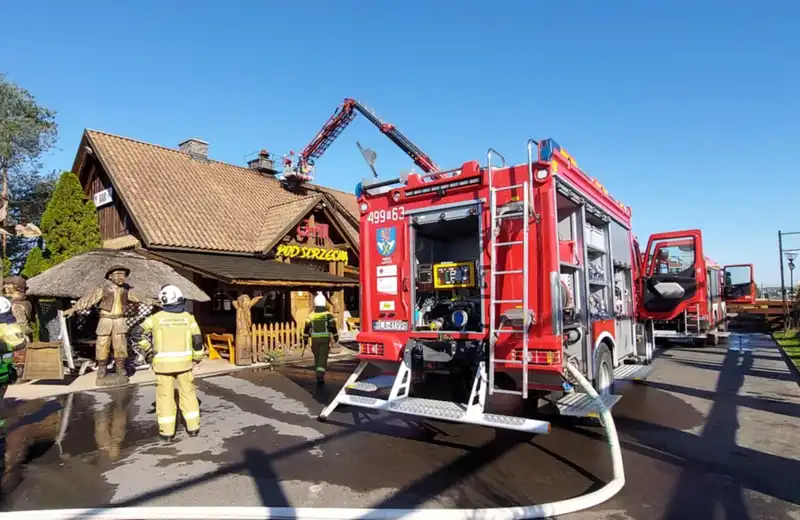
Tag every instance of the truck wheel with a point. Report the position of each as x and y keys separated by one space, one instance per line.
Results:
x=603 y=371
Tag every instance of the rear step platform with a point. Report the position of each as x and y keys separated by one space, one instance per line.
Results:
x=446 y=411
x=373 y=384
x=633 y=372
x=578 y=404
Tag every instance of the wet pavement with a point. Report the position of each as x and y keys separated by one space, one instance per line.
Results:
x=715 y=433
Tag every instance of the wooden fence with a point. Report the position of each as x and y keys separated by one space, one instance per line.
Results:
x=274 y=338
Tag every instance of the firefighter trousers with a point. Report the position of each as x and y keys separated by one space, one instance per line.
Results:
x=320 y=348
x=165 y=402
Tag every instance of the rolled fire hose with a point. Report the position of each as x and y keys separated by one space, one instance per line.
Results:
x=562 y=507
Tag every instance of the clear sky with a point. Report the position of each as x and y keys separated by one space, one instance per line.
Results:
x=687 y=111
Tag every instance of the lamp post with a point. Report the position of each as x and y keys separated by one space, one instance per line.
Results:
x=791 y=256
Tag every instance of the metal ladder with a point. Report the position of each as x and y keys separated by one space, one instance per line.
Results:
x=495 y=221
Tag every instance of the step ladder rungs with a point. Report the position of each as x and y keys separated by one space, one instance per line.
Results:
x=514 y=243
x=504 y=188
x=506 y=392
x=510 y=361
x=578 y=404
x=509 y=331
x=510 y=215
x=515 y=271
x=508 y=301
x=632 y=372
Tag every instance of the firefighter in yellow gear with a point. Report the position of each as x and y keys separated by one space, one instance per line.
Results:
x=321 y=328
x=176 y=345
x=12 y=338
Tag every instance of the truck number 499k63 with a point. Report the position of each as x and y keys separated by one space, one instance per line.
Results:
x=379 y=216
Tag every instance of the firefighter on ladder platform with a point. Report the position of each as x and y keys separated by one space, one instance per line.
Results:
x=321 y=328
x=177 y=344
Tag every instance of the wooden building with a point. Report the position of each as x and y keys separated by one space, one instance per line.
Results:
x=230 y=229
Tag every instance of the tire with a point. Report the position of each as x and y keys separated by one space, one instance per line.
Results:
x=603 y=371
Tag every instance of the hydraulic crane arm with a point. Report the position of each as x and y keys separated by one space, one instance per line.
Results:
x=343 y=116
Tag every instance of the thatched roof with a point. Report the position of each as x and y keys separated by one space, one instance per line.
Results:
x=78 y=275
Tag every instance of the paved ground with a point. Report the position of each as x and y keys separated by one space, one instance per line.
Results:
x=715 y=434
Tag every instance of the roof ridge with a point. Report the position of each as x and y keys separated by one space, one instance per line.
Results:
x=167 y=148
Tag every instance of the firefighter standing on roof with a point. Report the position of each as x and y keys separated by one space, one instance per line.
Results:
x=177 y=343
x=321 y=328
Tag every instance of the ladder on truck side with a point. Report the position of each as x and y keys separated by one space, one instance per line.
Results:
x=496 y=219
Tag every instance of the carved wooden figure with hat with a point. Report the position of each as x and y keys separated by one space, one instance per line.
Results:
x=111 y=299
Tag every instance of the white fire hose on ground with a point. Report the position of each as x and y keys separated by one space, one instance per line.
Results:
x=548 y=510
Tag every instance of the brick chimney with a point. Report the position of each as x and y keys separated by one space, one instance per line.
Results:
x=195 y=147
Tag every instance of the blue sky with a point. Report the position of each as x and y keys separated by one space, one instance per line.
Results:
x=686 y=111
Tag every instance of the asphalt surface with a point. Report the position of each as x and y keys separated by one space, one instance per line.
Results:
x=715 y=433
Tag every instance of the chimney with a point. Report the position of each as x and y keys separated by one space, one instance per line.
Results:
x=263 y=163
x=195 y=147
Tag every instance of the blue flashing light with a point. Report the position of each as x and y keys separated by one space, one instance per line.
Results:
x=359 y=190
x=567 y=387
x=548 y=147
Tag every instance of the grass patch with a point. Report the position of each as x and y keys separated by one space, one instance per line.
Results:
x=790 y=343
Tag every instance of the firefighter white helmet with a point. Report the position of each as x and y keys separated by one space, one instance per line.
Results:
x=5 y=305
x=170 y=295
x=319 y=300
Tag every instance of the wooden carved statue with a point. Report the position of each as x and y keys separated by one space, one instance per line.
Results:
x=14 y=288
x=111 y=298
x=244 y=322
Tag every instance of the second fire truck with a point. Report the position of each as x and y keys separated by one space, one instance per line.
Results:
x=685 y=293
x=503 y=279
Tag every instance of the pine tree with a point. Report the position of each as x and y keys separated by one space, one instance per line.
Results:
x=69 y=227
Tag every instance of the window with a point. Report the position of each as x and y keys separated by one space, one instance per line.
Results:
x=673 y=258
x=737 y=275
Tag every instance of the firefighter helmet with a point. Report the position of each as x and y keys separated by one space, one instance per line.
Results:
x=319 y=300
x=170 y=295
x=5 y=305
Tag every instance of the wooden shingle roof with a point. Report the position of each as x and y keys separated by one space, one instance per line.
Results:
x=176 y=200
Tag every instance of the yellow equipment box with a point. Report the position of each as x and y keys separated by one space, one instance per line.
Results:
x=454 y=275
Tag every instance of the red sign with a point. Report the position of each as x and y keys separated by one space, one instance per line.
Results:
x=306 y=230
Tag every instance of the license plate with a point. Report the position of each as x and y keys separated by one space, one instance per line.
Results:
x=389 y=325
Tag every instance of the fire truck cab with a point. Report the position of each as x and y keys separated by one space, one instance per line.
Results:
x=740 y=284
x=684 y=292
x=516 y=280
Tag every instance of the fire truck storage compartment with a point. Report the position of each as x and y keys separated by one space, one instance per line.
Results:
x=446 y=250
x=596 y=273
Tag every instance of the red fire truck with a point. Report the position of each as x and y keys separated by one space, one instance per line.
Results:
x=512 y=280
x=740 y=285
x=685 y=293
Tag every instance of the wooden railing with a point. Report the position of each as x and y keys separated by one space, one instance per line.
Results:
x=269 y=339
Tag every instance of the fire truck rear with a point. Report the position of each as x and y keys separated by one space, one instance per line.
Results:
x=502 y=279
x=685 y=293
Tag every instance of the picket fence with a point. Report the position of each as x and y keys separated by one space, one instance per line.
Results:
x=274 y=338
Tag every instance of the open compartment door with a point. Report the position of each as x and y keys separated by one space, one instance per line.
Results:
x=740 y=285
x=671 y=274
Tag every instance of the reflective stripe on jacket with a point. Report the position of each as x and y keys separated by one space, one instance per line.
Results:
x=172 y=341
x=11 y=336
x=321 y=325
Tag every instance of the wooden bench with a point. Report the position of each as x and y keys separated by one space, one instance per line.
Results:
x=219 y=344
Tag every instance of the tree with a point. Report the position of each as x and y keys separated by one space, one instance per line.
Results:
x=69 y=227
x=29 y=192
x=27 y=130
